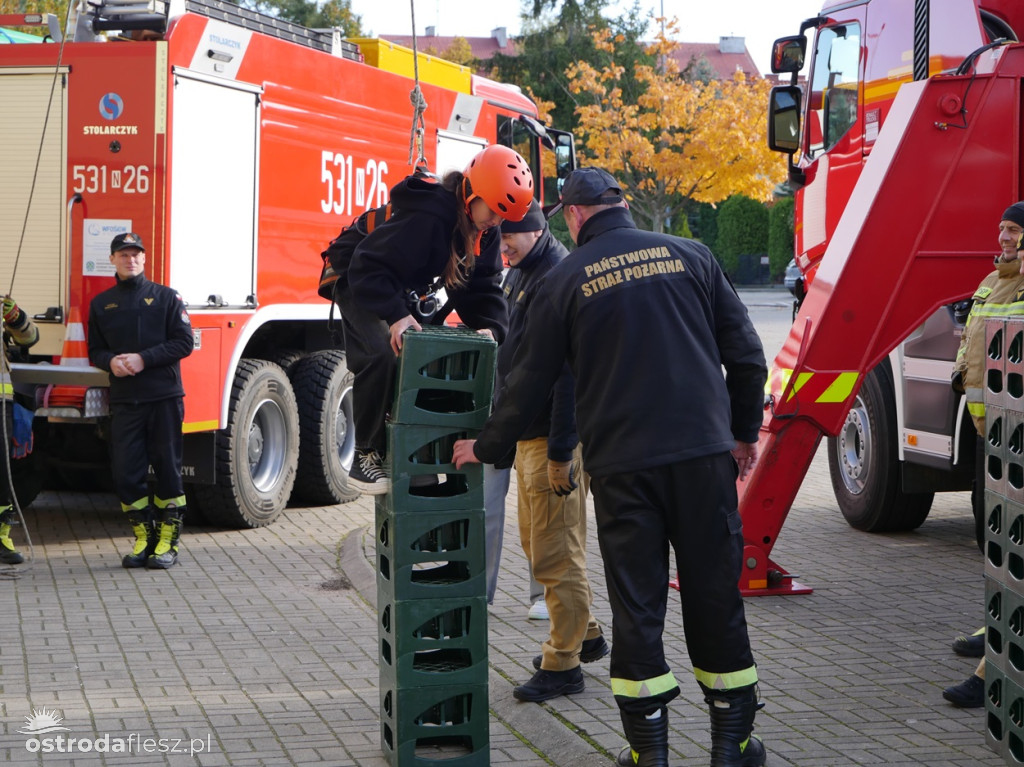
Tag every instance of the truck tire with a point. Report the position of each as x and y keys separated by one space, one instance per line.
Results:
x=323 y=388
x=863 y=462
x=257 y=454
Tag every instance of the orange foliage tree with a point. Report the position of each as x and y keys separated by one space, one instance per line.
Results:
x=677 y=140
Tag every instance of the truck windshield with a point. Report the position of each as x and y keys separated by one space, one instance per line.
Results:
x=832 y=108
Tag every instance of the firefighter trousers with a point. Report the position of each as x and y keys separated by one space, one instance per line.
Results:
x=373 y=365
x=143 y=435
x=691 y=505
x=553 y=532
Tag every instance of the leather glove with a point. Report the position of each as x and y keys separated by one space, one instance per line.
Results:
x=560 y=477
x=21 y=432
x=957 y=382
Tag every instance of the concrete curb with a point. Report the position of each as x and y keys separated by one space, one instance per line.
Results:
x=533 y=724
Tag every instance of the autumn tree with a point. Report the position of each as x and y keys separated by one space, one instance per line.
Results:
x=676 y=141
x=552 y=40
x=309 y=13
x=459 y=52
x=58 y=8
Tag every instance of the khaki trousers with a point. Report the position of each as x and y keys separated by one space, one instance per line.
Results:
x=553 y=532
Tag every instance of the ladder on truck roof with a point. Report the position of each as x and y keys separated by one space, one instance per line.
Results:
x=107 y=15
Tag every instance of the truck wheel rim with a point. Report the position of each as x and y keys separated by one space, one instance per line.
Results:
x=345 y=438
x=854 y=448
x=268 y=436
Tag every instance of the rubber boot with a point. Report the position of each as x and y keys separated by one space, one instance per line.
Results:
x=8 y=554
x=144 y=529
x=165 y=554
x=733 y=743
x=648 y=739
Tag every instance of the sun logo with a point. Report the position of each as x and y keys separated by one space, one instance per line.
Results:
x=42 y=722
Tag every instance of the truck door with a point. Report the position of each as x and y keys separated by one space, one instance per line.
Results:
x=32 y=196
x=213 y=190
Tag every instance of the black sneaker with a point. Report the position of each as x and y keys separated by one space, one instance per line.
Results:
x=368 y=474
x=546 y=685
x=967 y=694
x=592 y=649
x=972 y=646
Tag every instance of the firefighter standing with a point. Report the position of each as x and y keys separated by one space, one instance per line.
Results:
x=140 y=331
x=439 y=233
x=998 y=295
x=647 y=322
x=19 y=333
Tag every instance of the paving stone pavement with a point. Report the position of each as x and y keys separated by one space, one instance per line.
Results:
x=260 y=648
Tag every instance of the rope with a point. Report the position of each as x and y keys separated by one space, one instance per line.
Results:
x=419 y=104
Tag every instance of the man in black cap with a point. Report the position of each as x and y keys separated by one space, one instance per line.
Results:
x=140 y=331
x=998 y=295
x=647 y=323
x=552 y=501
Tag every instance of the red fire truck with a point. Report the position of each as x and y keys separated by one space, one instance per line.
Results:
x=237 y=145
x=904 y=146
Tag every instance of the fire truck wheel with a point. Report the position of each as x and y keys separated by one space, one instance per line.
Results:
x=257 y=453
x=323 y=388
x=863 y=462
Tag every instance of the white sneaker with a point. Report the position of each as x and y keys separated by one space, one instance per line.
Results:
x=538 y=611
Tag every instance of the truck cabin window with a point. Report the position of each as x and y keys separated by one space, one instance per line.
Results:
x=835 y=87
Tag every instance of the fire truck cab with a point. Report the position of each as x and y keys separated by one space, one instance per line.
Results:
x=237 y=145
x=907 y=434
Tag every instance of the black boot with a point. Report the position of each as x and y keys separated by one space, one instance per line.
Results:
x=144 y=529
x=733 y=743
x=8 y=554
x=165 y=554
x=648 y=739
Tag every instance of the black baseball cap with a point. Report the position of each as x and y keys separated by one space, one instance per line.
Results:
x=126 y=240
x=588 y=186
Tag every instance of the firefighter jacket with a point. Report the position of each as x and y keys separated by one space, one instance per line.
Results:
x=1001 y=294
x=412 y=248
x=647 y=322
x=557 y=419
x=137 y=315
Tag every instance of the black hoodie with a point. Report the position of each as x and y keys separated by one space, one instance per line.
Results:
x=411 y=249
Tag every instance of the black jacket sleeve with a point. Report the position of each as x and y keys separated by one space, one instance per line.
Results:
x=178 y=329
x=742 y=357
x=100 y=354
x=481 y=303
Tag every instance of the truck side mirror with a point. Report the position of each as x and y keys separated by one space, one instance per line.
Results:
x=784 y=119
x=788 y=54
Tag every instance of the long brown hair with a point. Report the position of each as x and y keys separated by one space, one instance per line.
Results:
x=465 y=237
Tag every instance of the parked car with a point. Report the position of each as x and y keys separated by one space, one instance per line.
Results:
x=794 y=280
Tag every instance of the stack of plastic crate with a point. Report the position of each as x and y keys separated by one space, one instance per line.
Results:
x=1004 y=537
x=431 y=575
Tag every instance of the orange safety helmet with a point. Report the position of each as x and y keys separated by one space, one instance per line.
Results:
x=501 y=178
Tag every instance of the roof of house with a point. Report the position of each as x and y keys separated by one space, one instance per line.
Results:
x=724 y=64
x=483 y=48
x=724 y=57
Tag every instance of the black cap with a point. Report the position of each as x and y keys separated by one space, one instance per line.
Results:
x=126 y=240
x=1015 y=213
x=533 y=221
x=589 y=186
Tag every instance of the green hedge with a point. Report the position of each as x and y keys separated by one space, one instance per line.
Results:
x=742 y=229
x=780 y=236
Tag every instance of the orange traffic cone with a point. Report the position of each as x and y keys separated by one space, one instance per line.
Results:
x=76 y=350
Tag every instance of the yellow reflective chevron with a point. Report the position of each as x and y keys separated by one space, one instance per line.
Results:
x=644 y=688
x=838 y=389
x=728 y=681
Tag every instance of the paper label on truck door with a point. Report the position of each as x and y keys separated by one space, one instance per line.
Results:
x=96 y=236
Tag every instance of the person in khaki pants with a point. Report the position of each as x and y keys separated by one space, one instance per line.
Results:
x=552 y=516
